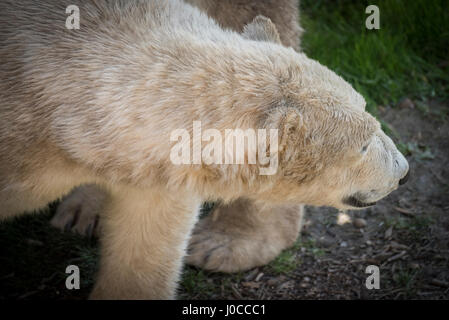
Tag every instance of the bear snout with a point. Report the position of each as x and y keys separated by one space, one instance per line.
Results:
x=405 y=178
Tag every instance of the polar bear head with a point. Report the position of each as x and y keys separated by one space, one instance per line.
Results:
x=331 y=152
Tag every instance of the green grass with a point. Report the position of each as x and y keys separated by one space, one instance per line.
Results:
x=289 y=261
x=407 y=56
x=194 y=280
x=414 y=223
x=415 y=228
x=285 y=263
x=406 y=279
x=200 y=284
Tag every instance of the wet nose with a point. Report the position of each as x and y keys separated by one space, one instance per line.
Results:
x=405 y=179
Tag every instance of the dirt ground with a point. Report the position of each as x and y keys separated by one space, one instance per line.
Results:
x=405 y=235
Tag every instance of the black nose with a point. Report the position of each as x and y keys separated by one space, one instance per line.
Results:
x=405 y=179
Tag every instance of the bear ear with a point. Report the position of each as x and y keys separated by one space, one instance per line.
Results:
x=261 y=29
x=290 y=125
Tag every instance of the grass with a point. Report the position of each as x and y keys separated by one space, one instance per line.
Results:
x=289 y=261
x=415 y=228
x=200 y=284
x=407 y=56
x=406 y=279
x=414 y=223
x=286 y=262
x=420 y=151
x=194 y=280
x=35 y=256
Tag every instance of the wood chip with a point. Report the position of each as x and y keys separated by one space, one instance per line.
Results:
x=236 y=292
x=359 y=223
x=396 y=245
x=381 y=256
x=287 y=285
x=250 y=276
x=389 y=233
x=405 y=212
x=439 y=283
x=276 y=281
x=251 y=284
x=396 y=257
x=34 y=242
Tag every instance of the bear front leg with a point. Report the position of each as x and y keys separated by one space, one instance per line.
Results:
x=143 y=239
x=243 y=235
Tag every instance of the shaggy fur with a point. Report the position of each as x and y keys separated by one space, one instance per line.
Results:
x=215 y=244
x=98 y=104
x=235 y=14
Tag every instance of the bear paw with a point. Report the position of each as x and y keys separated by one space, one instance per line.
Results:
x=79 y=211
x=227 y=251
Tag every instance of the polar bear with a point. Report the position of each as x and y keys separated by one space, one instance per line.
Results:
x=236 y=14
x=217 y=242
x=98 y=105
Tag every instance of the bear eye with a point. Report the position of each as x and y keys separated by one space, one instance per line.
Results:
x=365 y=148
